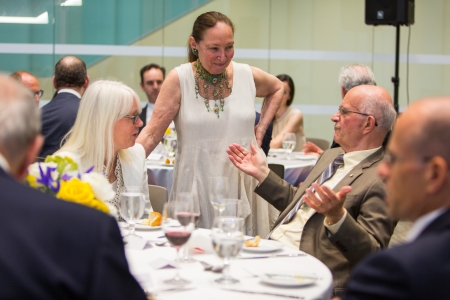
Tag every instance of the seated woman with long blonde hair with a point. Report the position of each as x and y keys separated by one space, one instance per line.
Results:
x=104 y=136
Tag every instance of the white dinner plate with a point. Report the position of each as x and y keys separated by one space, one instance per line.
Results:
x=139 y=226
x=264 y=246
x=305 y=157
x=278 y=150
x=167 y=165
x=287 y=279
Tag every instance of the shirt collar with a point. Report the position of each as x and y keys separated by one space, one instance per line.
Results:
x=353 y=158
x=421 y=223
x=4 y=164
x=70 y=91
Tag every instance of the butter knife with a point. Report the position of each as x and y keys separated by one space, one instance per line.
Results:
x=264 y=293
x=274 y=255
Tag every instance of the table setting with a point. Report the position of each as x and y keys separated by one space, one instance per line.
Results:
x=224 y=262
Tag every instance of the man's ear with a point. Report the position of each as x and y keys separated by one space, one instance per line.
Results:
x=86 y=82
x=30 y=155
x=54 y=82
x=436 y=175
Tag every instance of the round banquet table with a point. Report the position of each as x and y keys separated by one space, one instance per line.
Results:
x=147 y=266
x=296 y=169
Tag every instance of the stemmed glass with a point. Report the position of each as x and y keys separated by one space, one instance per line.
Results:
x=178 y=233
x=218 y=193
x=186 y=258
x=288 y=143
x=227 y=238
x=131 y=207
x=233 y=208
x=170 y=144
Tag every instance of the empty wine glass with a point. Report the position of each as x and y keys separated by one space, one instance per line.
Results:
x=131 y=207
x=289 y=142
x=233 y=208
x=179 y=232
x=218 y=193
x=227 y=237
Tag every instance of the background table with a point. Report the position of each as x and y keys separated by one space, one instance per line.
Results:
x=296 y=170
x=245 y=270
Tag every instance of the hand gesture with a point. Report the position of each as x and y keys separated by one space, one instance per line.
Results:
x=251 y=163
x=327 y=202
x=311 y=148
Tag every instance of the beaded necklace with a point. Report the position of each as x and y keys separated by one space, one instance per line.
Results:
x=217 y=81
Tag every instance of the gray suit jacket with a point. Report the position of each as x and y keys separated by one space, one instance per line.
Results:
x=366 y=228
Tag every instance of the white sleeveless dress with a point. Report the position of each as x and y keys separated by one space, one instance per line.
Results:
x=203 y=139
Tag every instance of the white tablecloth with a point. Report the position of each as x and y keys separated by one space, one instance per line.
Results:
x=245 y=270
x=296 y=170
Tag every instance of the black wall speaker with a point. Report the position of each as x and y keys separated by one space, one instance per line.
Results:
x=389 y=12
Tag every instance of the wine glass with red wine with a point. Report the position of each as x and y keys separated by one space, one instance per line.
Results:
x=179 y=231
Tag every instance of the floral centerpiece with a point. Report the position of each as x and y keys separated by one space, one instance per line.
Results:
x=60 y=177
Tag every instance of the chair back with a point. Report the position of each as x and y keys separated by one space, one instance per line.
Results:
x=277 y=169
x=158 y=196
x=321 y=143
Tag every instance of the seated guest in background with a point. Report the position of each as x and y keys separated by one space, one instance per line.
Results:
x=349 y=77
x=416 y=173
x=106 y=140
x=338 y=217
x=58 y=116
x=265 y=146
x=152 y=78
x=288 y=119
x=31 y=82
x=51 y=249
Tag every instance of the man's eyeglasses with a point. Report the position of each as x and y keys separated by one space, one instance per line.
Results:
x=391 y=158
x=134 y=118
x=39 y=93
x=343 y=111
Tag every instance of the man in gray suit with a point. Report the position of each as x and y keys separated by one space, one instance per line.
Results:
x=345 y=218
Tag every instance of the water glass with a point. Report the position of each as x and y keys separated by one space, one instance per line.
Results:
x=227 y=236
x=218 y=193
x=131 y=207
x=233 y=208
x=289 y=142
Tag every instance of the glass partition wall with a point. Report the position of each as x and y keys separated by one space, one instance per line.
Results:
x=308 y=39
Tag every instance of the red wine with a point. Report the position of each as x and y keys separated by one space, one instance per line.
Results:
x=185 y=218
x=178 y=238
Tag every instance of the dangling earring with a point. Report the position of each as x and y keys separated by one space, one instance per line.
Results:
x=195 y=51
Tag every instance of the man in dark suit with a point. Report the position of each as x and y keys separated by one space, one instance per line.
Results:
x=152 y=78
x=58 y=116
x=50 y=249
x=416 y=172
x=345 y=218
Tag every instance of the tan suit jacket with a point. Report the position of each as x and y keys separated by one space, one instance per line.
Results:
x=366 y=229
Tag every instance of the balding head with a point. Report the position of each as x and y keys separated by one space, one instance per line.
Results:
x=354 y=75
x=371 y=118
x=70 y=72
x=416 y=172
x=30 y=81
x=20 y=123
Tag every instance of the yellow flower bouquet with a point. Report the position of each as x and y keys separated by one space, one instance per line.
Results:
x=60 y=177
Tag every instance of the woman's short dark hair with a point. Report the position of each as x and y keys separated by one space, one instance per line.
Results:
x=288 y=79
x=203 y=23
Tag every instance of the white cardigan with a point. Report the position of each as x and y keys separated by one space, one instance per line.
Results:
x=134 y=170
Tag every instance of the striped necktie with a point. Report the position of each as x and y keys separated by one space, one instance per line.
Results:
x=326 y=174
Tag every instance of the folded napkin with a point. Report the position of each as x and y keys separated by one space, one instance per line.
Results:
x=137 y=243
x=162 y=263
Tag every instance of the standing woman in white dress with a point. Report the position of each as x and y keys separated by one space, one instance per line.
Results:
x=212 y=102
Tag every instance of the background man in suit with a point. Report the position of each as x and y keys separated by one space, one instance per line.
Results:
x=349 y=77
x=416 y=172
x=152 y=77
x=31 y=82
x=51 y=249
x=345 y=219
x=58 y=116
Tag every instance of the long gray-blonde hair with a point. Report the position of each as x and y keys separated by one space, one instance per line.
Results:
x=92 y=136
